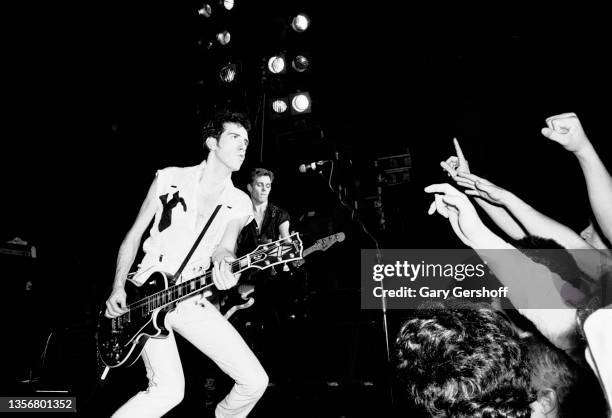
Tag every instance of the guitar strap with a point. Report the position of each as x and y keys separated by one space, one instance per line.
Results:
x=195 y=245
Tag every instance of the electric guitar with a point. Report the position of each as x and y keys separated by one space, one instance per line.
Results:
x=120 y=340
x=240 y=297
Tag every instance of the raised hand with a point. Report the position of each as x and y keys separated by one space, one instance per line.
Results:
x=454 y=205
x=456 y=164
x=479 y=187
x=567 y=131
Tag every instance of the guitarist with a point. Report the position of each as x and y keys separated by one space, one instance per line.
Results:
x=179 y=202
x=269 y=222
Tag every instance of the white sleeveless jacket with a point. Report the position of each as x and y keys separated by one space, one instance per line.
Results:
x=174 y=228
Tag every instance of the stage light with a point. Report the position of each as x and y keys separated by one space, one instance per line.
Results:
x=300 y=103
x=276 y=64
x=205 y=10
x=300 y=63
x=224 y=37
x=227 y=73
x=228 y=4
x=279 y=106
x=300 y=23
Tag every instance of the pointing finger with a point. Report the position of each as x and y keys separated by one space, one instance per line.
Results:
x=458 y=150
x=440 y=188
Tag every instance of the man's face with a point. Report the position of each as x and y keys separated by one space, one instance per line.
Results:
x=260 y=189
x=232 y=145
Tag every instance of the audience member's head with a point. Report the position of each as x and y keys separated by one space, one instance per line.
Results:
x=563 y=389
x=459 y=360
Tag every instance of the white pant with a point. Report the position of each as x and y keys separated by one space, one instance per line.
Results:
x=211 y=333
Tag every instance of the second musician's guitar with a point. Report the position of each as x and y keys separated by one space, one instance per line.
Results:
x=241 y=297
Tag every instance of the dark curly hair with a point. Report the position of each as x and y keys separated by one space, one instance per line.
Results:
x=215 y=126
x=463 y=361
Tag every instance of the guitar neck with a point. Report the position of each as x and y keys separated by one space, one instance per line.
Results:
x=317 y=247
x=309 y=250
x=263 y=257
x=188 y=288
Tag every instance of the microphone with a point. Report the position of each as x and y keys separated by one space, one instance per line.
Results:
x=312 y=166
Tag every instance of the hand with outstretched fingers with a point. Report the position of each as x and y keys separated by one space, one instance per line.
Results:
x=454 y=205
x=483 y=188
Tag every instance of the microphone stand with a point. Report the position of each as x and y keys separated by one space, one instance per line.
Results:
x=383 y=299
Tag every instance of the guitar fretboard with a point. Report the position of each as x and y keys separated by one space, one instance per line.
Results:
x=262 y=257
x=183 y=290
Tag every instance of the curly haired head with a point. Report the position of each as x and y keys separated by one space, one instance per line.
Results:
x=463 y=362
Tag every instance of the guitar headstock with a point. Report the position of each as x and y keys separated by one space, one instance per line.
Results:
x=277 y=252
x=324 y=243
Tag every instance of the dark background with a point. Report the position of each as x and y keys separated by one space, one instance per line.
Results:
x=100 y=95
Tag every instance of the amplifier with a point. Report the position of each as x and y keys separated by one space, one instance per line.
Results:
x=18 y=247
